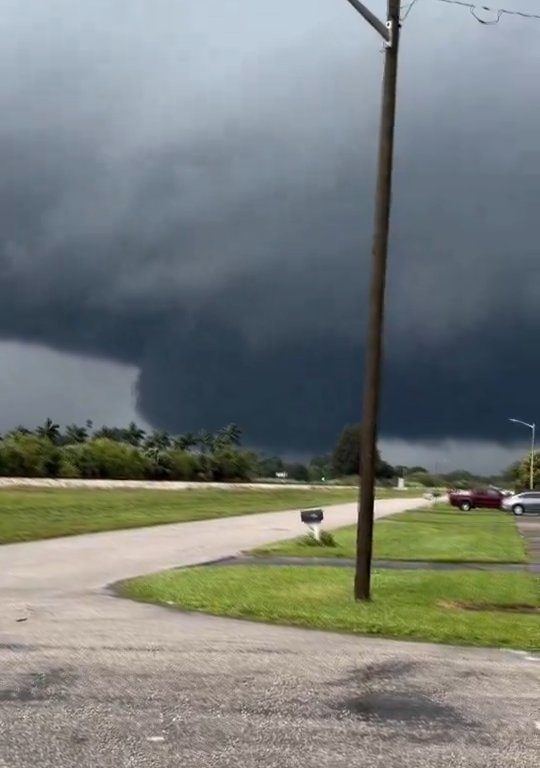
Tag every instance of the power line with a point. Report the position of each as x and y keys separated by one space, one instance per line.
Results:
x=500 y=12
x=407 y=8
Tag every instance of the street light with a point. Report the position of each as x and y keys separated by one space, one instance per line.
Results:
x=532 y=427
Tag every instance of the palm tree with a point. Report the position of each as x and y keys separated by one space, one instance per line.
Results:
x=50 y=431
x=185 y=442
x=158 y=440
x=110 y=433
x=230 y=435
x=19 y=430
x=75 y=434
x=206 y=441
x=134 y=435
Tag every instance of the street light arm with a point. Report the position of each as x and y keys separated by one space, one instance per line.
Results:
x=370 y=17
x=525 y=423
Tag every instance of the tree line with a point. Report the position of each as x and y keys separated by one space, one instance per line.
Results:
x=346 y=460
x=131 y=453
x=124 y=453
x=80 y=451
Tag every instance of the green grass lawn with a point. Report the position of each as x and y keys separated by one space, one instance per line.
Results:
x=419 y=605
x=406 y=493
x=439 y=534
x=27 y=514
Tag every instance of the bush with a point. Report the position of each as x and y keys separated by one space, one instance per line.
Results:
x=183 y=465
x=297 y=472
x=158 y=465
x=230 y=464
x=106 y=459
x=425 y=479
x=345 y=480
x=28 y=456
x=68 y=469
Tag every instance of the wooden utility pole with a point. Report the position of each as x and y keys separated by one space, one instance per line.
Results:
x=374 y=342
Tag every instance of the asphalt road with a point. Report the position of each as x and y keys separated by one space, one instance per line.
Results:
x=89 y=680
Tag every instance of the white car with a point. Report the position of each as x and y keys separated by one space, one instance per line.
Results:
x=519 y=503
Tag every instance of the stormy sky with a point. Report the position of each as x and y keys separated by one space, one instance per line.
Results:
x=186 y=200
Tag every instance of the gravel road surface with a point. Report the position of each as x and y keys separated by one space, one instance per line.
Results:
x=93 y=681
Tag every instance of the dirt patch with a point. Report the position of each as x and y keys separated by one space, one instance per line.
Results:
x=516 y=608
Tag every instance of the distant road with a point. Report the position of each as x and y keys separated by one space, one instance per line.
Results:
x=173 y=485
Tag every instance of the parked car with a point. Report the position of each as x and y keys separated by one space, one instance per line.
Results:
x=528 y=501
x=480 y=498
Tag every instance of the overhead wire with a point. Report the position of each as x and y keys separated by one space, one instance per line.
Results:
x=500 y=12
x=407 y=8
x=475 y=10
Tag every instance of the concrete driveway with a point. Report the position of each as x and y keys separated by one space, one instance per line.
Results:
x=89 y=680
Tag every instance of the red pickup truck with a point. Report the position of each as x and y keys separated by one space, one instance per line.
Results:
x=479 y=498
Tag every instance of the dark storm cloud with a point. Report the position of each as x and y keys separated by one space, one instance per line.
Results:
x=187 y=187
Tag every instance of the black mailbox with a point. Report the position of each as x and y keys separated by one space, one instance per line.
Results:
x=311 y=515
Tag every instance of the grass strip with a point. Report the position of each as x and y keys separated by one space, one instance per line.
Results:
x=441 y=607
x=28 y=514
x=439 y=534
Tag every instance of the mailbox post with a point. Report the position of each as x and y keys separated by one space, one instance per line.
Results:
x=313 y=519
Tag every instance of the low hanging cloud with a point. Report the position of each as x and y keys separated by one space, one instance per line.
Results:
x=187 y=188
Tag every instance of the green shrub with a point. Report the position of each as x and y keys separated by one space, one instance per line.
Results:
x=158 y=464
x=229 y=464
x=183 y=465
x=68 y=469
x=298 y=472
x=28 y=456
x=105 y=458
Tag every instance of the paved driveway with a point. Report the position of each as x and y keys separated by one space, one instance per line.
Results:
x=92 y=681
x=529 y=527
x=89 y=562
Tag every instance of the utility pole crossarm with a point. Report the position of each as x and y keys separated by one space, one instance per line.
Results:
x=371 y=19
